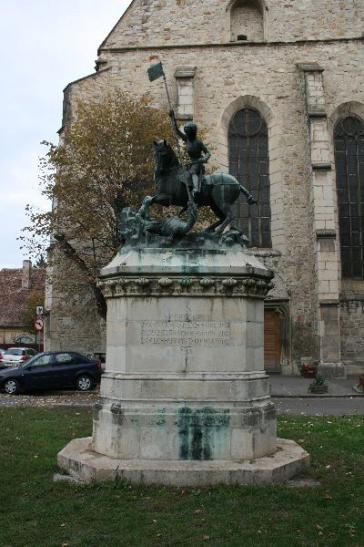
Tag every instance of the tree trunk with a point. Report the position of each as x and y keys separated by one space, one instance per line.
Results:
x=71 y=253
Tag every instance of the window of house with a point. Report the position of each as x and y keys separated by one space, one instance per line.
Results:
x=349 y=159
x=247 y=21
x=249 y=163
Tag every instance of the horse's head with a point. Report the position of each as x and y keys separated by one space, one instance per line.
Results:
x=165 y=156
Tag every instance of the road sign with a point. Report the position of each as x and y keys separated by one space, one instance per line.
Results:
x=39 y=310
x=39 y=324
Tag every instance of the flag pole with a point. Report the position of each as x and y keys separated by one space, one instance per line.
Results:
x=172 y=109
x=167 y=91
x=156 y=71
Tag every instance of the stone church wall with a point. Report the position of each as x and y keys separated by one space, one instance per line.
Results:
x=73 y=323
x=264 y=76
x=352 y=325
x=166 y=22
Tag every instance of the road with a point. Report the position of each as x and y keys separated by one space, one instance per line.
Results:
x=306 y=406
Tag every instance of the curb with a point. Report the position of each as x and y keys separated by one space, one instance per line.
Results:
x=320 y=396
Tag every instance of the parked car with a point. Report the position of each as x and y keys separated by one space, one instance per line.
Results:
x=52 y=370
x=2 y=351
x=16 y=356
x=99 y=357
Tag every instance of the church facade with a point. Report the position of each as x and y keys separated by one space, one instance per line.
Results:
x=277 y=86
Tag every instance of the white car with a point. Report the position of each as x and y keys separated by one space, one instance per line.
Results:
x=16 y=356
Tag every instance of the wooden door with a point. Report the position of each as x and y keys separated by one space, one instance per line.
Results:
x=272 y=340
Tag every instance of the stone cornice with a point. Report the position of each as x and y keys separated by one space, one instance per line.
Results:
x=310 y=67
x=192 y=286
x=326 y=234
x=185 y=72
x=159 y=47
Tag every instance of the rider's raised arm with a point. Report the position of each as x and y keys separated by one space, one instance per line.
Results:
x=175 y=126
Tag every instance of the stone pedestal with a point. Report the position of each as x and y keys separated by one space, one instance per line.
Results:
x=185 y=399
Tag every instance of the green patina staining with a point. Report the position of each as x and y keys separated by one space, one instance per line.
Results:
x=161 y=419
x=197 y=430
x=184 y=416
x=186 y=282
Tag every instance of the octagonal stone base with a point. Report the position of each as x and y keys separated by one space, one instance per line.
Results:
x=78 y=459
x=185 y=400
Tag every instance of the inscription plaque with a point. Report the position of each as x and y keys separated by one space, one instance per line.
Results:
x=186 y=333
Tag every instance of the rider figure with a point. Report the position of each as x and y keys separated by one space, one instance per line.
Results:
x=197 y=151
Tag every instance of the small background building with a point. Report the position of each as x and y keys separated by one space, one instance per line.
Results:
x=19 y=290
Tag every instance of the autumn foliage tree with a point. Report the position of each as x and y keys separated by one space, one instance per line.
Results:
x=104 y=162
x=35 y=298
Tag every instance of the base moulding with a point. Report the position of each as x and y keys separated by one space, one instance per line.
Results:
x=78 y=459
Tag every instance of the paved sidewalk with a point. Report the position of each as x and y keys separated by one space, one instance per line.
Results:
x=296 y=386
x=291 y=396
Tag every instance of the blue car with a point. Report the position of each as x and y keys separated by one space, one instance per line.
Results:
x=52 y=370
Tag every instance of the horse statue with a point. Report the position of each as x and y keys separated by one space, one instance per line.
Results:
x=218 y=191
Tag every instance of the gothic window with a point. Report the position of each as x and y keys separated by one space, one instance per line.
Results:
x=349 y=158
x=249 y=163
x=247 y=20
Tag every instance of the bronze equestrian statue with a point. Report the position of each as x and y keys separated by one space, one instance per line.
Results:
x=219 y=191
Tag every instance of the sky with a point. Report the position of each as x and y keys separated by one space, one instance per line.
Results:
x=45 y=44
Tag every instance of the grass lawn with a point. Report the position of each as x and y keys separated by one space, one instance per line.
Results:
x=34 y=511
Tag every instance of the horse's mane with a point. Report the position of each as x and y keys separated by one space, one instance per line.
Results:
x=173 y=160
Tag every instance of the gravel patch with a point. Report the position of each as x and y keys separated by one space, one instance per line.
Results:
x=51 y=399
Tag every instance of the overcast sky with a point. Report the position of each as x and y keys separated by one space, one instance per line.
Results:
x=45 y=44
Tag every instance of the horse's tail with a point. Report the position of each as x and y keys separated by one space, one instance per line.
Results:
x=249 y=197
x=244 y=191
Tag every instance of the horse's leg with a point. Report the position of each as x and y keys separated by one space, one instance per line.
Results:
x=225 y=213
x=212 y=227
x=220 y=215
x=183 y=210
x=227 y=220
x=223 y=197
x=161 y=199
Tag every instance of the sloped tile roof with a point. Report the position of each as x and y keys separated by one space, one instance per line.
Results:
x=13 y=298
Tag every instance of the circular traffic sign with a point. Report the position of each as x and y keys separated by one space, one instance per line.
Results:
x=39 y=324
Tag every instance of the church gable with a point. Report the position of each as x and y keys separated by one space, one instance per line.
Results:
x=183 y=22
x=161 y=22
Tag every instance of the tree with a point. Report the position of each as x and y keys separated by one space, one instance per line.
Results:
x=104 y=162
x=28 y=317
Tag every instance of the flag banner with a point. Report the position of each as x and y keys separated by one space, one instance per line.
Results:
x=155 y=72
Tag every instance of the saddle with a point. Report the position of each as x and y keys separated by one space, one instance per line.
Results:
x=205 y=180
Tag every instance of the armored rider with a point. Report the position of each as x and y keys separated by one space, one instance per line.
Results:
x=199 y=154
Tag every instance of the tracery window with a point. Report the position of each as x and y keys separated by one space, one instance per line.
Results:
x=349 y=159
x=249 y=163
